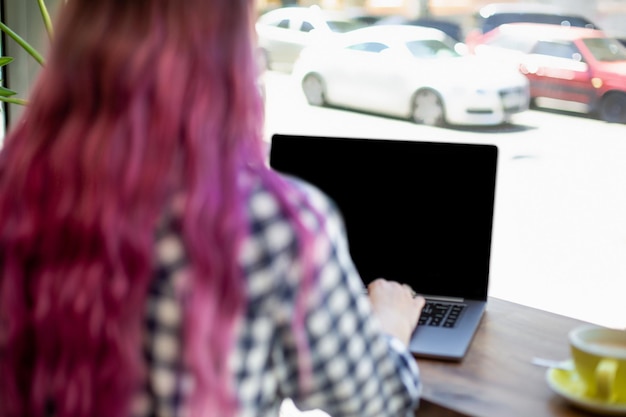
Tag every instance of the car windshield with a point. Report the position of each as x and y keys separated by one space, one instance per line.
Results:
x=606 y=49
x=342 y=26
x=516 y=43
x=553 y=19
x=431 y=48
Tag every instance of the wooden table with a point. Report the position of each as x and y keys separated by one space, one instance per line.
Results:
x=497 y=378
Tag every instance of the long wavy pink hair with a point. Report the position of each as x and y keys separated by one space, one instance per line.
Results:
x=139 y=99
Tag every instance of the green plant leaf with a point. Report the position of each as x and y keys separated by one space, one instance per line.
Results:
x=14 y=100
x=5 y=92
x=6 y=95
x=5 y=60
x=45 y=17
x=27 y=47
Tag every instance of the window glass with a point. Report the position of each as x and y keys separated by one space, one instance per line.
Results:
x=430 y=49
x=516 y=43
x=557 y=49
x=560 y=222
x=306 y=26
x=369 y=47
x=341 y=26
x=555 y=19
x=606 y=49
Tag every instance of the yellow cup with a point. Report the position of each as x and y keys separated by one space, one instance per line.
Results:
x=599 y=356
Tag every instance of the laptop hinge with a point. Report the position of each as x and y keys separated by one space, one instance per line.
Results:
x=442 y=298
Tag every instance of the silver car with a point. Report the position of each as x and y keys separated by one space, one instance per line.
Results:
x=410 y=72
x=284 y=32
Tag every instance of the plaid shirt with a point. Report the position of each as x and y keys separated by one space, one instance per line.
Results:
x=356 y=369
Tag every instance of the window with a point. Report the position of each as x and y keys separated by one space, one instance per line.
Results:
x=341 y=26
x=608 y=50
x=369 y=47
x=430 y=49
x=559 y=238
x=515 y=43
x=306 y=26
x=498 y=19
x=558 y=49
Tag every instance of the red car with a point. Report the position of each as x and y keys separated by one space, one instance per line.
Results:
x=564 y=63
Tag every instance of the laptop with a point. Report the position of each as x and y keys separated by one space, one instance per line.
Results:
x=415 y=212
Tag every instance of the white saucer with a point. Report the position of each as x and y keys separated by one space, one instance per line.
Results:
x=567 y=384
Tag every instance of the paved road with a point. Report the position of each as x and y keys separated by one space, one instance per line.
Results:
x=560 y=225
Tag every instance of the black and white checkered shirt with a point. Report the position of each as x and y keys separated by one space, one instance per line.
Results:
x=356 y=369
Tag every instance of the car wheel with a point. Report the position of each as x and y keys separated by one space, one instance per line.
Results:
x=427 y=108
x=613 y=108
x=314 y=90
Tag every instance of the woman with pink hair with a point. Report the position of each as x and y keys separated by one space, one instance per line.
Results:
x=152 y=264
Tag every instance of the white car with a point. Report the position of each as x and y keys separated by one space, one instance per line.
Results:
x=282 y=33
x=410 y=72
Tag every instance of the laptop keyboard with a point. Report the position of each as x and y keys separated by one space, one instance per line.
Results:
x=439 y=314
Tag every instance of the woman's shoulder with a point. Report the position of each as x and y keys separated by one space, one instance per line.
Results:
x=288 y=196
x=281 y=210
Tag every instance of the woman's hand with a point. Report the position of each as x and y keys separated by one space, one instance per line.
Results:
x=397 y=307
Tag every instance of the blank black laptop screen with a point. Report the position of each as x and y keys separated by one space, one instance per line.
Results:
x=415 y=212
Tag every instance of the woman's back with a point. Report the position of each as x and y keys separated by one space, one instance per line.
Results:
x=151 y=263
x=266 y=360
